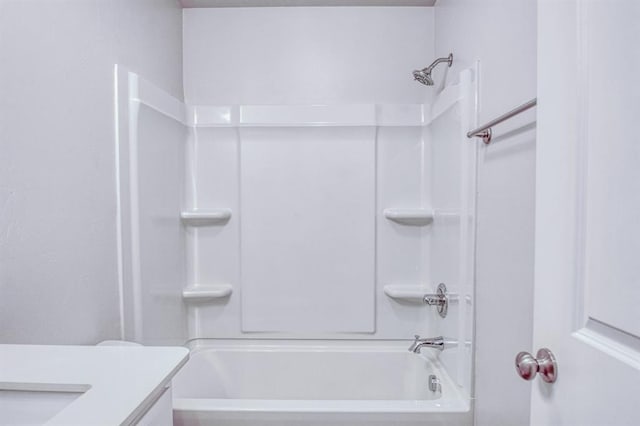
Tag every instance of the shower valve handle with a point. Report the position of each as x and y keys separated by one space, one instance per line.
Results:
x=440 y=299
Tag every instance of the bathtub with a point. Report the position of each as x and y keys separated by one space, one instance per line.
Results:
x=314 y=383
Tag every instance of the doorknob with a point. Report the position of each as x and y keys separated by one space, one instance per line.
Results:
x=544 y=363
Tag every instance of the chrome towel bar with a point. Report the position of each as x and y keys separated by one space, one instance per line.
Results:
x=484 y=131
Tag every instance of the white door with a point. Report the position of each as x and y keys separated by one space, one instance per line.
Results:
x=587 y=295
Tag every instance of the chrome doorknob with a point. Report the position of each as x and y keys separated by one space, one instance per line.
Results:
x=544 y=363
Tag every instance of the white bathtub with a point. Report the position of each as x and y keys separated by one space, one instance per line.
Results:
x=313 y=383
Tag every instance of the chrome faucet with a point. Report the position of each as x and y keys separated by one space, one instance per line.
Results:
x=429 y=342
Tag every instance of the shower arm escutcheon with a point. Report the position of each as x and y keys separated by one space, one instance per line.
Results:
x=439 y=299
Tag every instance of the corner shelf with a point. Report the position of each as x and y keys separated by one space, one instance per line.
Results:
x=414 y=293
x=204 y=293
x=205 y=217
x=411 y=217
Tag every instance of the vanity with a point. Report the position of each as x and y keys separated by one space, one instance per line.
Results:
x=87 y=385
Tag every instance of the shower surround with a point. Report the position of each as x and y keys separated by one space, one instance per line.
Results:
x=309 y=218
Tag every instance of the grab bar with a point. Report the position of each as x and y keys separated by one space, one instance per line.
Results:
x=484 y=131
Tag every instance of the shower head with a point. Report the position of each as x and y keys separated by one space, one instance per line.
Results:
x=424 y=75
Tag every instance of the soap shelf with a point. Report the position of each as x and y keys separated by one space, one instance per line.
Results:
x=413 y=293
x=203 y=293
x=205 y=217
x=411 y=217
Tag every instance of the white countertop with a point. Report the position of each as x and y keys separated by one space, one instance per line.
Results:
x=119 y=381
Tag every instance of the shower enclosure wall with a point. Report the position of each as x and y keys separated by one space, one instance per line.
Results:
x=296 y=228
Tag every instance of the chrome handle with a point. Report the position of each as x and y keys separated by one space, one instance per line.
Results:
x=544 y=363
x=440 y=299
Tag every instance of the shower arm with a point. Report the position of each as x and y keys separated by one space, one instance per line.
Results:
x=448 y=59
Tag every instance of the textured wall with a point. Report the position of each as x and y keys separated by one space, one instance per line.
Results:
x=306 y=55
x=58 y=255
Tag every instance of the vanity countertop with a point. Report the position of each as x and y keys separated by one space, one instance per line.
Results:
x=118 y=382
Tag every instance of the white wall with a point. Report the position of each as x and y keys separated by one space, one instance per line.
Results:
x=502 y=35
x=58 y=259
x=303 y=55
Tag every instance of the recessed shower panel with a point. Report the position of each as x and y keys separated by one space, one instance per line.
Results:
x=308 y=229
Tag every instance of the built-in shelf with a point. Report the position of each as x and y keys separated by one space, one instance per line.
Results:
x=411 y=217
x=416 y=293
x=203 y=293
x=407 y=292
x=205 y=217
x=447 y=214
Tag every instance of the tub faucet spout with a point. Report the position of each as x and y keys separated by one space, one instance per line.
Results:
x=429 y=342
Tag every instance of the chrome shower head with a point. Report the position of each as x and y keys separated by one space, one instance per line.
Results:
x=424 y=75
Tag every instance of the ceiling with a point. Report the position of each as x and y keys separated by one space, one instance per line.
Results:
x=280 y=3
